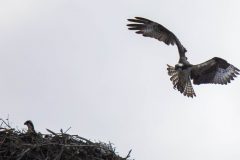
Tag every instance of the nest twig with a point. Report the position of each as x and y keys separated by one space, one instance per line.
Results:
x=22 y=145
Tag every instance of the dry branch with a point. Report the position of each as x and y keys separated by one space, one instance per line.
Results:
x=22 y=145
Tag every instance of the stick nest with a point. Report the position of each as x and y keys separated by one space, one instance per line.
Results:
x=22 y=145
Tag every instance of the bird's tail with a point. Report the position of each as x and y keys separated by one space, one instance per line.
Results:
x=173 y=74
x=181 y=82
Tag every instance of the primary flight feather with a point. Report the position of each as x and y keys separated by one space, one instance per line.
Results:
x=215 y=70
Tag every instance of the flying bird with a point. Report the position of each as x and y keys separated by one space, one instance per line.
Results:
x=215 y=70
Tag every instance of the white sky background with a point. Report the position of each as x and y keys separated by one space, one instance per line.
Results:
x=74 y=63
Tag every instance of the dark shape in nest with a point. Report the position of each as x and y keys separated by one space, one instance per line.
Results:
x=21 y=145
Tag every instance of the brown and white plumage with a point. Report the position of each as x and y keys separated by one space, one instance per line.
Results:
x=30 y=126
x=181 y=81
x=152 y=29
x=215 y=70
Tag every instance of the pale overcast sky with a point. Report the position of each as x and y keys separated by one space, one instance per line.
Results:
x=74 y=63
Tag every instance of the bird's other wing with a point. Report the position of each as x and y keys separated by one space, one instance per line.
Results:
x=181 y=81
x=152 y=29
x=215 y=70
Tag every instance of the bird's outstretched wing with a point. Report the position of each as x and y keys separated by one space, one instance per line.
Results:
x=181 y=81
x=152 y=29
x=215 y=70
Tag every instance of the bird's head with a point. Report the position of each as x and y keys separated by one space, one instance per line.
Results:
x=30 y=126
x=178 y=66
x=28 y=122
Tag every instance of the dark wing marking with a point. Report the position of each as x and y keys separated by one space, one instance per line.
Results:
x=215 y=70
x=152 y=29
x=181 y=81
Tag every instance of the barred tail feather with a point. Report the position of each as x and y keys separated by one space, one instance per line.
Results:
x=171 y=70
x=174 y=75
x=188 y=89
x=183 y=85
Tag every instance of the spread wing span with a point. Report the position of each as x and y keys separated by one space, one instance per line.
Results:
x=152 y=29
x=215 y=70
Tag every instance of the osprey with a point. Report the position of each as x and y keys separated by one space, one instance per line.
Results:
x=30 y=126
x=215 y=70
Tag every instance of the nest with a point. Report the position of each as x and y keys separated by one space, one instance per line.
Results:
x=25 y=145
